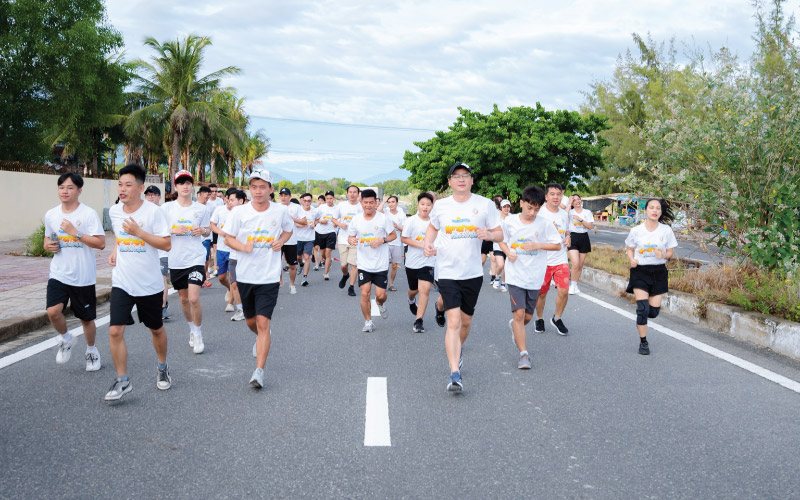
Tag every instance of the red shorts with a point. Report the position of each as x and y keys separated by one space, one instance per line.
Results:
x=559 y=274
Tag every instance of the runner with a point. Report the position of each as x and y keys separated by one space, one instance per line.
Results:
x=498 y=257
x=153 y=195
x=466 y=219
x=237 y=198
x=140 y=229
x=217 y=224
x=580 y=245
x=487 y=249
x=526 y=240
x=347 y=253
x=305 y=234
x=72 y=230
x=290 y=247
x=419 y=269
x=650 y=245
x=370 y=231
x=189 y=224
x=557 y=267
x=203 y=193
x=216 y=199
x=257 y=231
x=326 y=233
x=398 y=218
x=316 y=256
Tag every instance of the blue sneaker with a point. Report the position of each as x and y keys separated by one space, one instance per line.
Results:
x=455 y=384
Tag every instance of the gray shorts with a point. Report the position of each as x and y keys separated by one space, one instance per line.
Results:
x=522 y=298
x=164 y=266
x=232 y=270
x=396 y=254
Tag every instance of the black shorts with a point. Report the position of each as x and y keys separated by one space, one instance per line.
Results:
x=499 y=253
x=182 y=278
x=461 y=294
x=580 y=242
x=82 y=299
x=414 y=276
x=148 y=308
x=290 y=254
x=522 y=298
x=324 y=241
x=652 y=279
x=232 y=270
x=258 y=299
x=379 y=279
x=487 y=247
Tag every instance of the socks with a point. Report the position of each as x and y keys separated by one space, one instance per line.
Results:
x=191 y=326
x=162 y=366
x=238 y=307
x=65 y=338
x=123 y=378
x=643 y=339
x=91 y=348
x=523 y=352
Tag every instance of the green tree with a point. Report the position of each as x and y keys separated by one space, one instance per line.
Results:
x=395 y=187
x=508 y=150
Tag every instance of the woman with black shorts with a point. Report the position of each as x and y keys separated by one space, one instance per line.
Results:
x=650 y=245
x=498 y=257
x=581 y=221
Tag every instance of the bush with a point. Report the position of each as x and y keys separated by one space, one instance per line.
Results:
x=35 y=244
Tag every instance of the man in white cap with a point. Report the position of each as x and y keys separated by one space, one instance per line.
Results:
x=290 y=248
x=257 y=231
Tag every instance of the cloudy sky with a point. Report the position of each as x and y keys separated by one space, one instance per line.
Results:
x=380 y=75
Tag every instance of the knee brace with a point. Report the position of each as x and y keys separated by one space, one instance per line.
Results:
x=653 y=312
x=642 y=312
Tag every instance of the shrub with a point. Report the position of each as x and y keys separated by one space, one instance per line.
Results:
x=34 y=246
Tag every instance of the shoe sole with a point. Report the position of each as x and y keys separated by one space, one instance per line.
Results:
x=343 y=281
x=453 y=387
x=200 y=351
x=93 y=369
x=524 y=367
x=563 y=334
x=124 y=392
x=255 y=384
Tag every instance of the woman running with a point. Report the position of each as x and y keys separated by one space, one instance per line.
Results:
x=498 y=257
x=581 y=222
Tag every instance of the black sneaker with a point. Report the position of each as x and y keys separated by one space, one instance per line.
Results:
x=305 y=282
x=418 y=328
x=351 y=291
x=413 y=307
x=285 y=268
x=343 y=281
x=439 y=317
x=163 y=380
x=562 y=330
x=539 y=328
x=644 y=348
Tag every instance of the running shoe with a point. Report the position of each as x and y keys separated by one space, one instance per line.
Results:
x=164 y=313
x=326 y=277
x=92 y=361
x=65 y=350
x=191 y=339
x=496 y=284
x=292 y=290
x=644 y=348
x=207 y=284
x=228 y=297
x=229 y=308
x=118 y=389
x=439 y=317
x=212 y=274
x=539 y=328
x=239 y=316
x=163 y=381
x=351 y=291
x=562 y=330
x=369 y=326
x=392 y=288
x=322 y=263
x=199 y=346
x=305 y=282
x=316 y=268
x=257 y=380
x=384 y=311
x=343 y=281
x=285 y=268
x=503 y=287
x=413 y=307
x=524 y=362
x=577 y=290
x=418 y=328
x=455 y=384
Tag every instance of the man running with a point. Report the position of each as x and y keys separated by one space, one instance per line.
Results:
x=215 y=199
x=419 y=269
x=370 y=231
x=305 y=234
x=290 y=248
x=72 y=230
x=347 y=253
x=398 y=218
x=203 y=194
x=461 y=221
x=225 y=255
x=153 y=195
x=557 y=266
x=140 y=230
x=326 y=232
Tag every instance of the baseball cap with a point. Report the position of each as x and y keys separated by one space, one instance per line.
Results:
x=183 y=173
x=460 y=165
x=152 y=189
x=260 y=174
x=504 y=203
x=329 y=193
x=285 y=190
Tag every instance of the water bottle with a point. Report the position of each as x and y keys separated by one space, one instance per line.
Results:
x=54 y=238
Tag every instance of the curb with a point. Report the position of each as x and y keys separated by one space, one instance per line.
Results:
x=780 y=335
x=13 y=327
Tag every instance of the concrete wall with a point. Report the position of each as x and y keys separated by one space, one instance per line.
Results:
x=26 y=197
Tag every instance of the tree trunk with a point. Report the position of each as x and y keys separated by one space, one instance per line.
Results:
x=176 y=154
x=201 y=171
x=231 y=171
x=186 y=159
x=213 y=166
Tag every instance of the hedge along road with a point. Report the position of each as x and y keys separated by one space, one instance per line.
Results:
x=592 y=419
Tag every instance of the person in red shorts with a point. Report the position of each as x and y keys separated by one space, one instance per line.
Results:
x=557 y=263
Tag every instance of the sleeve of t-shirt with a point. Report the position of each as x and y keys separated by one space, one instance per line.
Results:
x=215 y=216
x=630 y=241
x=93 y=226
x=388 y=225
x=206 y=220
x=351 y=228
x=506 y=233
x=48 y=229
x=287 y=225
x=671 y=241
x=232 y=223
x=435 y=217
x=493 y=220
x=407 y=229
x=551 y=234
x=160 y=226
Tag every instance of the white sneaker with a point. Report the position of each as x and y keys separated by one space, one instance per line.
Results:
x=199 y=347
x=257 y=380
x=212 y=274
x=191 y=339
x=496 y=284
x=503 y=288
x=92 y=361
x=65 y=350
x=239 y=316
x=368 y=326
x=572 y=288
x=228 y=297
x=326 y=277
x=384 y=312
x=292 y=290
x=577 y=290
x=316 y=268
x=229 y=308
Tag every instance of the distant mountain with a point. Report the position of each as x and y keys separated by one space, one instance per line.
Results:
x=396 y=174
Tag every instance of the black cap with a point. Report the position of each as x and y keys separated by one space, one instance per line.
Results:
x=460 y=165
x=152 y=189
x=285 y=190
x=329 y=193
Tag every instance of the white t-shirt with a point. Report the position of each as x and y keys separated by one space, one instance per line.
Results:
x=263 y=265
x=306 y=233
x=415 y=229
x=74 y=264
x=215 y=203
x=458 y=252
x=294 y=210
x=344 y=214
x=210 y=210
x=219 y=217
x=138 y=271
x=646 y=242
x=529 y=269
x=329 y=213
x=496 y=245
x=370 y=259
x=576 y=225
x=561 y=221
x=400 y=219
x=187 y=250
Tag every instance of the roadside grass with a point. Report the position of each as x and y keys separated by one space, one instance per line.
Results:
x=731 y=283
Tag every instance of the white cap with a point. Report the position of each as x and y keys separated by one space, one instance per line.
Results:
x=260 y=174
x=504 y=203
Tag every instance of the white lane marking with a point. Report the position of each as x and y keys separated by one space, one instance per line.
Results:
x=44 y=345
x=376 y=425
x=730 y=358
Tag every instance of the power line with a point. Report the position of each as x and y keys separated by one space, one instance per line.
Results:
x=348 y=125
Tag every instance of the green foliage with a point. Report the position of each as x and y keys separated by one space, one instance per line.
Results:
x=508 y=150
x=395 y=187
x=34 y=245
x=769 y=293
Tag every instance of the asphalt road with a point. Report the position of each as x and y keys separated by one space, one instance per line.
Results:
x=592 y=419
x=686 y=249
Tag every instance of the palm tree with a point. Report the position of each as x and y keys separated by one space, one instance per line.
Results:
x=257 y=146
x=170 y=91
